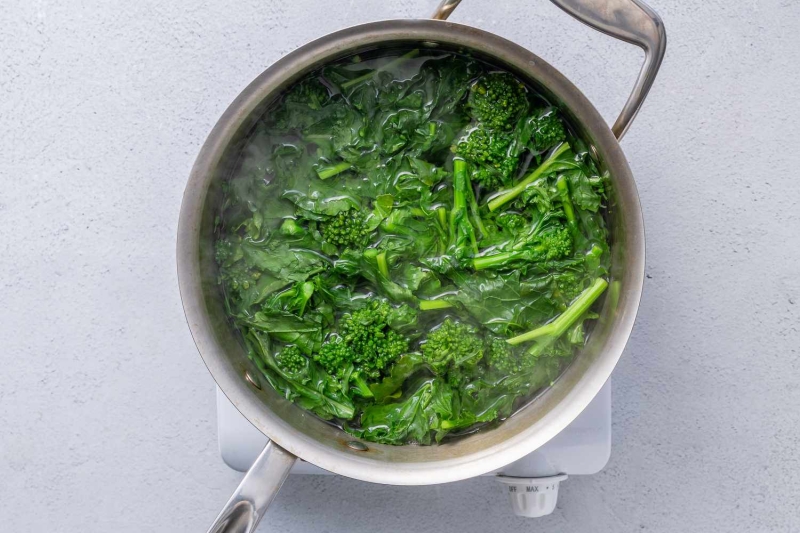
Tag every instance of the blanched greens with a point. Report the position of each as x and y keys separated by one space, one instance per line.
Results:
x=412 y=245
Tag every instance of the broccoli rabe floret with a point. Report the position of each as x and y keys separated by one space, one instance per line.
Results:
x=365 y=341
x=452 y=345
x=511 y=221
x=301 y=105
x=291 y=360
x=497 y=100
x=569 y=284
x=227 y=252
x=555 y=242
x=238 y=278
x=346 y=229
x=373 y=343
x=483 y=145
x=501 y=357
x=488 y=152
x=547 y=131
x=335 y=356
x=310 y=92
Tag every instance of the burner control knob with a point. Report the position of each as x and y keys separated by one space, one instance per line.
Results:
x=532 y=496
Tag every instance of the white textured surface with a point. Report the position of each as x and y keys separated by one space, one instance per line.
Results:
x=106 y=411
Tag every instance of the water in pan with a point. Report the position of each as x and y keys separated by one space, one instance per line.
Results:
x=411 y=244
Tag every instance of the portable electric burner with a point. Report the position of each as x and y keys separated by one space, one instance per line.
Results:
x=583 y=448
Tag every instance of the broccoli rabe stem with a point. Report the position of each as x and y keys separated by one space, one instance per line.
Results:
x=329 y=172
x=441 y=212
x=391 y=64
x=560 y=325
x=515 y=191
x=460 y=226
x=490 y=261
x=361 y=387
x=474 y=211
x=383 y=265
x=566 y=204
x=430 y=305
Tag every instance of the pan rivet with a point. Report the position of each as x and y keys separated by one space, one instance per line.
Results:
x=358 y=446
x=253 y=381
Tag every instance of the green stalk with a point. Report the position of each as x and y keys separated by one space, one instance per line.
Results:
x=566 y=202
x=474 y=210
x=489 y=261
x=560 y=325
x=361 y=387
x=515 y=191
x=391 y=64
x=459 y=215
x=383 y=265
x=430 y=305
x=442 y=213
x=329 y=172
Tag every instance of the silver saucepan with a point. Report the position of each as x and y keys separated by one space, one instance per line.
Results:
x=294 y=432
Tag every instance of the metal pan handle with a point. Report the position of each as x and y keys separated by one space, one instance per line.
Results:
x=262 y=482
x=631 y=21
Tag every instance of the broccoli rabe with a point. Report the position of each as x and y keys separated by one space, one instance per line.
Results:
x=365 y=341
x=347 y=229
x=497 y=100
x=544 y=336
x=309 y=92
x=501 y=357
x=546 y=130
x=542 y=242
x=411 y=245
x=488 y=152
x=291 y=360
x=453 y=345
x=301 y=105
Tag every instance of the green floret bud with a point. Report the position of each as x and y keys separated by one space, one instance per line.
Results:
x=310 y=92
x=548 y=131
x=291 y=360
x=497 y=100
x=372 y=342
x=488 y=151
x=556 y=244
x=301 y=105
x=228 y=251
x=238 y=278
x=364 y=341
x=511 y=221
x=504 y=359
x=346 y=229
x=335 y=356
x=484 y=146
x=453 y=344
x=501 y=357
x=569 y=285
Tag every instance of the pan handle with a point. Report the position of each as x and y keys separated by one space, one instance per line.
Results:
x=631 y=21
x=259 y=487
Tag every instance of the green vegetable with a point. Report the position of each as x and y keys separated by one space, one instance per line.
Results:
x=497 y=99
x=411 y=244
x=544 y=335
x=452 y=345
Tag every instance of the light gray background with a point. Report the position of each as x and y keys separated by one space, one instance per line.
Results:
x=107 y=416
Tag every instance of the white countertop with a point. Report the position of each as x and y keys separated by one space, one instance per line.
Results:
x=107 y=412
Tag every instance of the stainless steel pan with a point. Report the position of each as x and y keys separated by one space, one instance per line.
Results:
x=295 y=433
